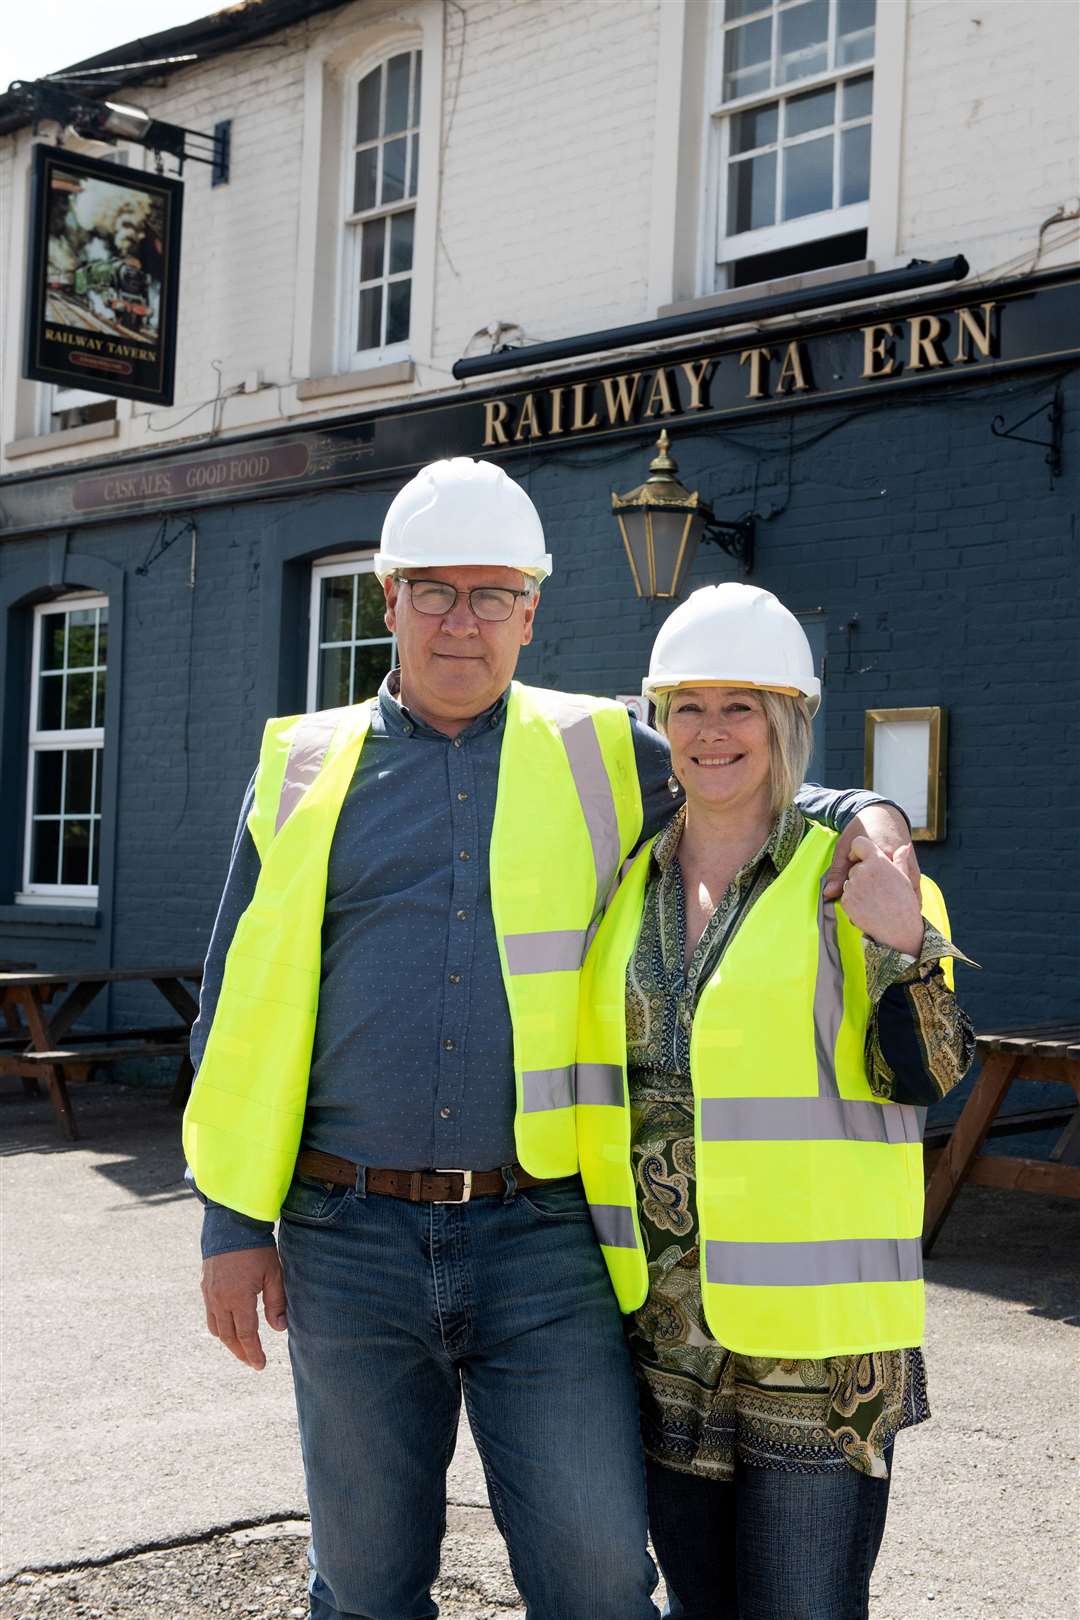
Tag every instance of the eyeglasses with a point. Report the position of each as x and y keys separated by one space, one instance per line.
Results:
x=492 y=603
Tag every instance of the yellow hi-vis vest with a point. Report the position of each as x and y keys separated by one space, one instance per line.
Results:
x=567 y=813
x=809 y=1187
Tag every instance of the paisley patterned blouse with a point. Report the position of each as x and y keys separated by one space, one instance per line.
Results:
x=703 y=1406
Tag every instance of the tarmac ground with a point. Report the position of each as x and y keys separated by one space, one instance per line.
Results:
x=148 y=1476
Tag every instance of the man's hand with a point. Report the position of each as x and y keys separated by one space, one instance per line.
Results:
x=878 y=898
x=887 y=830
x=231 y=1285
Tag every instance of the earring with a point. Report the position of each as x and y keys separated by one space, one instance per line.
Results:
x=674 y=786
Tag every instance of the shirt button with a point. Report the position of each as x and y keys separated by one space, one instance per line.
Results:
x=462 y=797
x=444 y=1113
x=448 y=1045
x=455 y=978
x=463 y=855
x=462 y=915
x=458 y=743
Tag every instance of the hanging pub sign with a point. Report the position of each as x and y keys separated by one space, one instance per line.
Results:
x=102 y=277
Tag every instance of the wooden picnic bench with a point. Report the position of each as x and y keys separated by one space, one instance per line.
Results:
x=1042 y=1052
x=39 y=1039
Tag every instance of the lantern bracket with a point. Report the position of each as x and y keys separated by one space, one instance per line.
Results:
x=735 y=536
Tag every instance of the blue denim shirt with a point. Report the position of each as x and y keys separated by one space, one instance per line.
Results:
x=412 y=1065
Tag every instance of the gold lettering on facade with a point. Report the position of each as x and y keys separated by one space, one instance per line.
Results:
x=528 y=422
x=792 y=371
x=874 y=349
x=660 y=390
x=579 y=423
x=556 y=409
x=982 y=337
x=695 y=374
x=923 y=332
x=620 y=393
x=495 y=413
x=757 y=359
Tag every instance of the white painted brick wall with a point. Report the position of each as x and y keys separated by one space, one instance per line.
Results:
x=548 y=121
x=991 y=135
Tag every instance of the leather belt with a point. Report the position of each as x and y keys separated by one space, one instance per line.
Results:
x=418 y=1186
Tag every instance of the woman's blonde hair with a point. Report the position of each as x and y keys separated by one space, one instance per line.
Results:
x=791 y=741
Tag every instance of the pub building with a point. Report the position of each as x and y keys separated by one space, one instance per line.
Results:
x=894 y=453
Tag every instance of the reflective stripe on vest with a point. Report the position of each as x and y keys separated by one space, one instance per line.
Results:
x=567 y=783
x=809 y=1188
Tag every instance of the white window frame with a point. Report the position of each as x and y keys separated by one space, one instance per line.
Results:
x=723 y=250
x=351 y=562
x=350 y=356
x=90 y=737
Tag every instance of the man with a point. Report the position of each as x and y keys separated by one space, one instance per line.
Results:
x=391 y=988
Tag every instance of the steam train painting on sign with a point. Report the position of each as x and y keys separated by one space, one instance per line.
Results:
x=103 y=276
x=104 y=257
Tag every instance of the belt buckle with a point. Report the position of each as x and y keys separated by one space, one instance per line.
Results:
x=466 y=1186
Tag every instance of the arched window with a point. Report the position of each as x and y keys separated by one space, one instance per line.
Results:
x=383 y=132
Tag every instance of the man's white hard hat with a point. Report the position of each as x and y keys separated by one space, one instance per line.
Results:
x=733 y=635
x=462 y=513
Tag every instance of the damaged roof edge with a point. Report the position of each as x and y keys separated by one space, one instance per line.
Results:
x=221 y=31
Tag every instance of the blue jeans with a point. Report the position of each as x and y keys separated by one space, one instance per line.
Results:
x=767 y=1545
x=395 y=1311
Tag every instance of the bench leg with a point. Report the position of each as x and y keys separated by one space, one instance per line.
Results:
x=61 y=1104
x=969 y=1134
x=181 y=1090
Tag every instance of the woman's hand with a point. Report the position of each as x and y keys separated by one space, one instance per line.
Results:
x=878 y=897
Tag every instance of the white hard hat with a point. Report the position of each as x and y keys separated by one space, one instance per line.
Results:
x=733 y=635
x=462 y=513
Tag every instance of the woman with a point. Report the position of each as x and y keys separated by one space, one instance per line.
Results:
x=753 y=1067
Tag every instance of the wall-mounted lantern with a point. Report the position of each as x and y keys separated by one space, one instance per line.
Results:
x=662 y=524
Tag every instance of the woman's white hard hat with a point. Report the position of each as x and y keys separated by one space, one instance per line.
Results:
x=733 y=635
x=462 y=513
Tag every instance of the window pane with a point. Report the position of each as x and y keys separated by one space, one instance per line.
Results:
x=370 y=335
x=53 y=626
x=397 y=95
x=414 y=162
x=417 y=60
x=370 y=607
x=79 y=784
x=401 y=242
x=95 y=849
x=337 y=609
x=45 y=853
x=754 y=128
x=372 y=663
x=103 y=636
x=748 y=59
x=364 y=183
x=97 y=781
x=393 y=174
x=79 y=702
x=854 y=17
x=804 y=32
x=859 y=97
x=48 y=771
x=334 y=677
x=367 y=108
x=752 y=193
x=50 y=697
x=812 y=111
x=99 y=698
x=76 y=853
x=80 y=653
x=397 y=314
x=743 y=8
x=372 y=247
x=808 y=178
x=855 y=164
